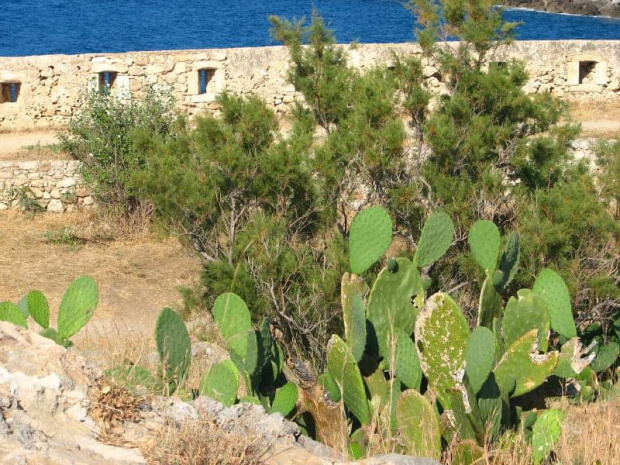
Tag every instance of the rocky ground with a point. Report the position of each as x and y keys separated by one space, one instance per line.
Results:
x=55 y=411
x=609 y=8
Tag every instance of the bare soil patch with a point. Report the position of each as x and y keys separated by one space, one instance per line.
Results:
x=601 y=119
x=136 y=278
x=28 y=146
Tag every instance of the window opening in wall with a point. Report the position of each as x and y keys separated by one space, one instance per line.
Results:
x=205 y=76
x=498 y=65
x=586 y=71
x=10 y=91
x=107 y=80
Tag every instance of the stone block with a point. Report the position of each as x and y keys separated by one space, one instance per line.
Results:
x=67 y=182
x=55 y=206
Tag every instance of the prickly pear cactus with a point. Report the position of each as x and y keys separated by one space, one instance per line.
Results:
x=574 y=358
x=508 y=264
x=173 y=347
x=436 y=238
x=11 y=313
x=352 y=290
x=285 y=399
x=330 y=386
x=468 y=453
x=77 y=306
x=523 y=366
x=369 y=238
x=524 y=313
x=343 y=369
x=407 y=367
x=234 y=322
x=545 y=433
x=390 y=303
x=490 y=305
x=606 y=356
x=418 y=425
x=38 y=308
x=221 y=383
x=479 y=356
x=553 y=291
x=484 y=241
x=441 y=334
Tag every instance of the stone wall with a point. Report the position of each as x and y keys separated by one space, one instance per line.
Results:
x=54 y=186
x=47 y=89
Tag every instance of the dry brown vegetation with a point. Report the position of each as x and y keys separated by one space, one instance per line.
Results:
x=598 y=119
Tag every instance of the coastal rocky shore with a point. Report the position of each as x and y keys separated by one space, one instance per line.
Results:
x=610 y=8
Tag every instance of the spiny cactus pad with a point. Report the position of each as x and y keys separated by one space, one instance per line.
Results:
x=369 y=238
x=606 y=356
x=468 y=453
x=38 y=308
x=436 y=238
x=378 y=387
x=441 y=334
x=574 y=358
x=352 y=290
x=545 y=433
x=344 y=370
x=479 y=356
x=484 y=241
x=524 y=313
x=418 y=425
x=523 y=367
x=173 y=346
x=221 y=383
x=234 y=322
x=330 y=386
x=490 y=305
x=77 y=306
x=11 y=313
x=389 y=304
x=407 y=364
x=285 y=399
x=552 y=289
x=509 y=263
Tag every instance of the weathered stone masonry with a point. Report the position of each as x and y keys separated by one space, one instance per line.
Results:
x=47 y=89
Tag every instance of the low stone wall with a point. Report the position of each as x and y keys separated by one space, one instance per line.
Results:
x=54 y=186
x=48 y=89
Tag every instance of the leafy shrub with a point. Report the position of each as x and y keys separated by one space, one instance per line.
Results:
x=106 y=134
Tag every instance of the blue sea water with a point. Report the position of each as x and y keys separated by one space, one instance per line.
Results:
x=35 y=27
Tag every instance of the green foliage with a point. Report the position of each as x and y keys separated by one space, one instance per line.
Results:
x=484 y=241
x=553 y=291
x=221 y=383
x=352 y=290
x=369 y=238
x=479 y=357
x=174 y=349
x=435 y=240
x=76 y=308
x=545 y=433
x=78 y=304
x=285 y=399
x=108 y=133
x=234 y=322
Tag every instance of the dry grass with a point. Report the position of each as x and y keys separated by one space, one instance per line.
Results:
x=598 y=119
x=200 y=442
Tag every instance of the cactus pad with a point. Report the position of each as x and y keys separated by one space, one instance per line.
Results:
x=352 y=290
x=484 y=241
x=11 y=313
x=390 y=303
x=436 y=238
x=407 y=367
x=553 y=291
x=523 y=367
x=330 y=386
x=77 y=306
x=490 y=305
x=545 y=433
x=285 y=400
x=173 y=346
x=369 y=238
x=574 y=358
x=468 y=453
x=523 y=314
x=441 y=334
x=509 y=263
x=606 y=356
x=38 y=308
x=418 y=425
x=221 y=383
x=234 y=322
x=344 y=370
x=479 y=356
